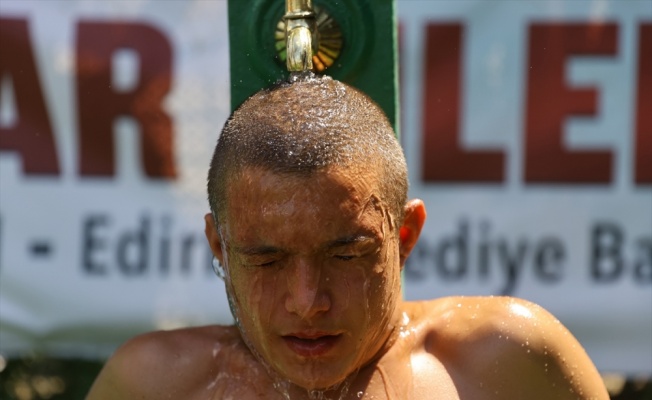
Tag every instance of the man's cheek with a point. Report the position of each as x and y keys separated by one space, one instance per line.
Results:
x=261 y=298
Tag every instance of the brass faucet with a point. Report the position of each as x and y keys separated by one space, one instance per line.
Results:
x=300 y=34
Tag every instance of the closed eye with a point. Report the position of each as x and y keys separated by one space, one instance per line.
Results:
x=267 y=264
x=353 y=247
x=258 y=256
x=261 y=262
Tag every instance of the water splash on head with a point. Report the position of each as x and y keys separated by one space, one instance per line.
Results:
x=304 y=124
x=305 y=76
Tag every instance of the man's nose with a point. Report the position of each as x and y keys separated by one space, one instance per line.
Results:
x=306 y=297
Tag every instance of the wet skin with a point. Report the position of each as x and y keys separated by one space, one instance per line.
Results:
x=313 y=272
x=313 y=268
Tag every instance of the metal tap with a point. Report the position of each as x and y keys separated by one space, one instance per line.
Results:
x=300 y=34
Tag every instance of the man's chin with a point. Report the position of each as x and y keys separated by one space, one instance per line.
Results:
x=321 y=380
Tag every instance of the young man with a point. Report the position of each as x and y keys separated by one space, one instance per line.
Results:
x=310 y=221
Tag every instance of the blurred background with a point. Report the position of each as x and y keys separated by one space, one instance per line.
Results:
x=526 y=125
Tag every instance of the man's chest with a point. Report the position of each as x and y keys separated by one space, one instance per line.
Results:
x=397 y=375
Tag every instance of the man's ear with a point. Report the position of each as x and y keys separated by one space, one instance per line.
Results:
x=415 y=216
x=214 y=239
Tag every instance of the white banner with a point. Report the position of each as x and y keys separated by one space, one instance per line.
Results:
x=528 y=133
x=526 y=126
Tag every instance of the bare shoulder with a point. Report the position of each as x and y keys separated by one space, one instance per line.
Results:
x=509 y=347
x=157 y=364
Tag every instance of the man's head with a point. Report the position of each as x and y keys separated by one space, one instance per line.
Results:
x=303 y=127
x=309 y=218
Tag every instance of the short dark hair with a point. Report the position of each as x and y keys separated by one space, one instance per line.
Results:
x=303 y=126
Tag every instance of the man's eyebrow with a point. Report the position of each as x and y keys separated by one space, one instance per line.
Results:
x=348 y=240
x=255 y=250
x=266 y=250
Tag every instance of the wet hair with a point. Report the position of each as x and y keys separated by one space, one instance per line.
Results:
x=305 y=125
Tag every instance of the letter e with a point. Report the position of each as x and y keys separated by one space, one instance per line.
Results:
x=550 y=101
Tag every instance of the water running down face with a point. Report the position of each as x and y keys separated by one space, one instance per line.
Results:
x=313 y=271
x=307 y=185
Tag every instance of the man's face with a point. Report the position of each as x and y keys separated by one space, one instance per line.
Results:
x=313 y=270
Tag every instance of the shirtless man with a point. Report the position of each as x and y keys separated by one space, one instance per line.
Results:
x=312 y=226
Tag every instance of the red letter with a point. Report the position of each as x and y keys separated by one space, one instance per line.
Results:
x=443 y=158
x=550 y=101
x=99 y=104
x=643 y=167
x=31 y=136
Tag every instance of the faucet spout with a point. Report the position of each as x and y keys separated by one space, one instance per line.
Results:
x=300 y=34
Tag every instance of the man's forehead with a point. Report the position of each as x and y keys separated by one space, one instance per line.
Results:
x=255 y=177
x=259 y=196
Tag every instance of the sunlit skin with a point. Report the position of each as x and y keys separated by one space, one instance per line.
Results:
x=319 y=256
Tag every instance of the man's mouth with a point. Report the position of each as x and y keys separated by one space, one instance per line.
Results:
x=312 y=344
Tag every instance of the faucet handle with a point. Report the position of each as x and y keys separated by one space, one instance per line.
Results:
x=300 y=29
x=299 y=49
